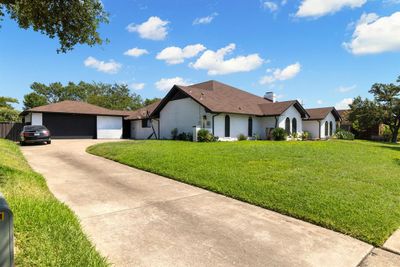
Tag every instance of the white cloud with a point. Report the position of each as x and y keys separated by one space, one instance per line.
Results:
x=287 y=73
x=175 y=55
x=214 y=61
x=374 y=34
x=271 y=6
x=136 y=52
x=344 y=104
x=108 y=67
x=205 y=20
x=166 y=84
x=320 y=102
x=345 y=89
x=154 y=28
x=137 y=86
x=318 y=8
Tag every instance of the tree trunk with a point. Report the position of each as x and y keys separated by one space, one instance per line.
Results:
x=395 y=133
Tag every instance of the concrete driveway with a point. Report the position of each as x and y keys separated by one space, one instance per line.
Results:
x=140 y=219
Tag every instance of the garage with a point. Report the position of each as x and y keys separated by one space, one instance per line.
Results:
x=78 y=120
x=63 y=125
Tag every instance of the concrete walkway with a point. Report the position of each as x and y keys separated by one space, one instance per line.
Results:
x=140 y=219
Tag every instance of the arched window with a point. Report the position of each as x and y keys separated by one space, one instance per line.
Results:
x=227 y=126
x=330 y=128
x=326 y=128
x=294 y=125
x=287 y=125
x=250 y=127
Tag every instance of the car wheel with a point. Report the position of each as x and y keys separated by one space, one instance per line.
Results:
x=21 y=143
x=49 y=142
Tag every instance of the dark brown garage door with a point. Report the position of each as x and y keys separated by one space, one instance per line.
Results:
x=70 y=125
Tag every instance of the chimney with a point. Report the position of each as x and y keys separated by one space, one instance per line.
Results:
x=270 y=96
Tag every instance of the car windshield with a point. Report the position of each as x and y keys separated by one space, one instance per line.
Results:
x=34 y=128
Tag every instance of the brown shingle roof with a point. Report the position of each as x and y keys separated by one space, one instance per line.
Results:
x=321 y=113
x=143 y=112
x=222 y=98
x=77 y=107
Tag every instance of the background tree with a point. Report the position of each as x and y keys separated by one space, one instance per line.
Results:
x=364 y=115
x=111 y=96
x=7 y=111
x=149 y=101
x=387 y=96
x=72 y=22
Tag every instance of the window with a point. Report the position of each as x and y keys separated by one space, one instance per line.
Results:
x=294 y=125
x=330 y=128
x=326 y=128
x=287 y=125
x=250 y=127
x=146 y=123
x=227 y=126
x=204 y=121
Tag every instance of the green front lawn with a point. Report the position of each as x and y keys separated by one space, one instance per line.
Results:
x=348 y=186
x=46 y=231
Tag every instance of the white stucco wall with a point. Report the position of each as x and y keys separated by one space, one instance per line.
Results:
x=182 y=114
x=37 y=119
x=238 y=125
x=291 y=113
x=263 y=123
x=138 y=132
x=312 y=127
x=329 y=118
x=109 y=127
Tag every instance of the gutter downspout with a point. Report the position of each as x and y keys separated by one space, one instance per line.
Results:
x=276 y=121
x=213 y=122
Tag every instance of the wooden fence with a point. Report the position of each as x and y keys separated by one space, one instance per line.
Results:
x=10 y=130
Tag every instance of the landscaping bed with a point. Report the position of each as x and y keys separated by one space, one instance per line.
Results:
x=349 y=186
x=47 y=233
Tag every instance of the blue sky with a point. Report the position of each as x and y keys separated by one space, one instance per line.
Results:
x=324 y=52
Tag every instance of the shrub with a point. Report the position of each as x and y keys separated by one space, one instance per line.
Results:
x=279 y=134
x=204 y=135
x=295 y=135
x=305 y=135
x=242 y=137
x=185 y=137
x=342 y=134
x=174 y=134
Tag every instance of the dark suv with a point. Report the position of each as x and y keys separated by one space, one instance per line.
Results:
x=35 y=134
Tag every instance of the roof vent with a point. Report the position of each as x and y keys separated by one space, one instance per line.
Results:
x=270 y=96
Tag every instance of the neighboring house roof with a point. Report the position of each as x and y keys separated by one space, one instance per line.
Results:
x=344 y=114
x=321 y=113
x=143 y=112
x=76 y=107
x=221 y=98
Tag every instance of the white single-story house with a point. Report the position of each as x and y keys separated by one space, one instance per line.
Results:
x=75 y=119
x=322 y=122
x=224 y=110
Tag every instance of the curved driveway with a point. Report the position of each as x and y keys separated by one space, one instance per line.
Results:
x=137 y=218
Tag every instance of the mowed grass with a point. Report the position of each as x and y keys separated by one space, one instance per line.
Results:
x=349 y=186
x=46 y=231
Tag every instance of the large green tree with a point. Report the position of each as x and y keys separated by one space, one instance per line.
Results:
x=384 y=108
x=7 y=111
x=71 y=21
x=365 y=114
x=111 y=96
x=387 y=96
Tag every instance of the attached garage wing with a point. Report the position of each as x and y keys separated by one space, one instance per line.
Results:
x=63 y=125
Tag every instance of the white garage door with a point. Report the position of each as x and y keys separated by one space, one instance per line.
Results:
x=109 y=127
